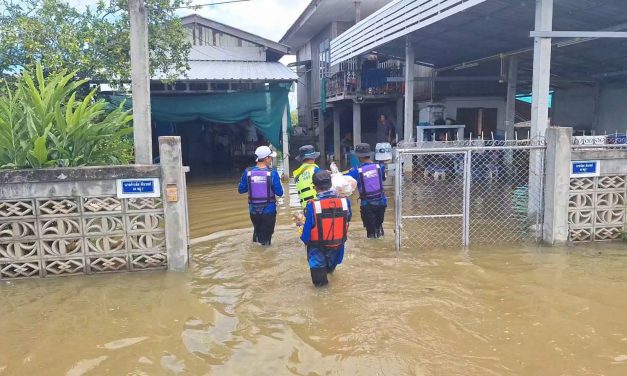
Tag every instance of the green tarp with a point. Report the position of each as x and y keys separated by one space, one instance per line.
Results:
x=264 y=108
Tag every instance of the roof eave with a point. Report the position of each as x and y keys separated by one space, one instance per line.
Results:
x=300 y=21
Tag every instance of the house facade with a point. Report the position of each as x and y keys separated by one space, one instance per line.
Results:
x=345 y=101
x=233 y=98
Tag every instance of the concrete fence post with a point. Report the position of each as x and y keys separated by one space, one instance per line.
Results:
x=174 y=203
x=557 y=186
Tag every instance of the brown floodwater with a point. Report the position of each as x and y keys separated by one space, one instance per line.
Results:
x=247 y=310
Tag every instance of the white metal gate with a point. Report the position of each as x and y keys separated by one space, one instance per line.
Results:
x=473 y=192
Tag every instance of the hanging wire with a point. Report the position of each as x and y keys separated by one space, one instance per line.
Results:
x=210 y=4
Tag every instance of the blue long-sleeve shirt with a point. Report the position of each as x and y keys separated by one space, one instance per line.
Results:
x=354 y=173
x=277 y=188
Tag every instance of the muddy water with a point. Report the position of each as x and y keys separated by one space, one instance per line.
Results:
x=247 y=310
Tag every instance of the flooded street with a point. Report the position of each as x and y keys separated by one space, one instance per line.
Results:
x=247 y=310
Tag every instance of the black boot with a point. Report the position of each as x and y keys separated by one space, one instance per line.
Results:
x=330 y=270
x=319 y=276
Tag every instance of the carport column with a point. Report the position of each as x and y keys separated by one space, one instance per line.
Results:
x=140 y=82
x=541 y=69
x=174 y=203
x=337 y=148
x=408 y=121
x=356 y=123
x=540 y=94
x=400 y=102
x=286 y=145
x=512 y=83
x=556 y=190
x=510 y=107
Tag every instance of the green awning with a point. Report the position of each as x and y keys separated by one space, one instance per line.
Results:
x=264 y=108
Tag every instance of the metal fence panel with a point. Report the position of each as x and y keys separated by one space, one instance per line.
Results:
x=431 y=207
x=506 y=198
x=457 y=194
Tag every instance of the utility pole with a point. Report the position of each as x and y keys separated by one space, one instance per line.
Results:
x=140 y=81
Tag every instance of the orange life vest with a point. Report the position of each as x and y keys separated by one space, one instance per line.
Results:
x=330 y=223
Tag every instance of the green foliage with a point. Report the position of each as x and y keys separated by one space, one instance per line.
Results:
x=95 y=42
x=43 y=124
x=294 y=117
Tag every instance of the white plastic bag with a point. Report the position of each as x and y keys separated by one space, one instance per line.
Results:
x=344 y=186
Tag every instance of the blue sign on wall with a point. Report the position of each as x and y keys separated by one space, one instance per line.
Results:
x=584 y=169
x=128 y=188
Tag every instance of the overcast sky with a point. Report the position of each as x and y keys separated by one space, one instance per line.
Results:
x=267 y=18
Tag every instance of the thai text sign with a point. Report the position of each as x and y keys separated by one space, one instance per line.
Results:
x=584 y=169
x=129 y=188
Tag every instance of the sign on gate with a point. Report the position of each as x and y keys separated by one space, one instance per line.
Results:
x=585 y=169
x=131 y=188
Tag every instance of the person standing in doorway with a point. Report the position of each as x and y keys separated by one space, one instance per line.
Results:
x=303 y=176
x=325 y=229
x=386 y=131
x=262 y=183
x=370 y=176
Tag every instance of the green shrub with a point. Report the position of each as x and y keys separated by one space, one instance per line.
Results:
x=43 y=123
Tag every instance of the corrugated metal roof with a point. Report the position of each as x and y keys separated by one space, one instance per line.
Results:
x=237 y=71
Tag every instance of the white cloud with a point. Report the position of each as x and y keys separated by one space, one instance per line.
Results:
x=267 y=18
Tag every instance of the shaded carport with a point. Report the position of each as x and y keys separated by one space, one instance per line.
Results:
x=457 y=37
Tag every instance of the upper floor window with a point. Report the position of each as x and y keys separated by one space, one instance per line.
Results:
x=203 y=36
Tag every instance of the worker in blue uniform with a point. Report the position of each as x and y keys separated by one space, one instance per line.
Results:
x=370 y=177
x=263 y=184
x=325 y=229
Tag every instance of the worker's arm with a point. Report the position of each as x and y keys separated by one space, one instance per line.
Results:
x=243 y=183
x=353 y=173
x=309 y=224
x=383 y=172
x=350 y=211
x=276 y=184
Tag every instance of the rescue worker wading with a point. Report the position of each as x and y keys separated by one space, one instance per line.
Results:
x=325 y=229
x=304 y=174
x=262 y=184
x=370 y=177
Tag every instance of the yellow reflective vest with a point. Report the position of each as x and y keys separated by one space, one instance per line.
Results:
x=303 y=177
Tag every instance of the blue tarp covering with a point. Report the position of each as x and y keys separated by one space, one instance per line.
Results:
x=264 y=108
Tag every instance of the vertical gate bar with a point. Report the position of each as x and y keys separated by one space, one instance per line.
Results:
x=397 y=198
x=540 y=199
x=466 y=205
